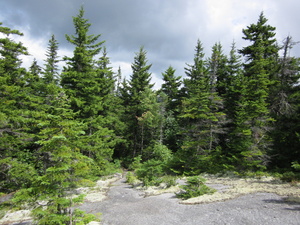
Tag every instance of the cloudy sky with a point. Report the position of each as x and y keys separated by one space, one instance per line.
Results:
x=168 y=29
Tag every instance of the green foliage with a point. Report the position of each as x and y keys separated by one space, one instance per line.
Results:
x=159 y=152
x=224 y=116
x=131 y=178
x=296 y=165
x=136 y=164
x=139 y=101
x=168 y=180
x=195 y=187
x=290 y=176
x=150 y=172
x=156 y=165
x=52 y=217
x=50 y=73
x=111 y=168
x=13 y=175
x=86 y=183
x=171 y=88
x=162 y=153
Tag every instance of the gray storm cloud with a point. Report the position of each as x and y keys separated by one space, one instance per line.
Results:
x=167 y=29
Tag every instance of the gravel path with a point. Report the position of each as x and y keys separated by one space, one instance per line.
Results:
x=126 y=205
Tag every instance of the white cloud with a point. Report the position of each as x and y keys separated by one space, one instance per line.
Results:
x=125 y=68
x=157 y=81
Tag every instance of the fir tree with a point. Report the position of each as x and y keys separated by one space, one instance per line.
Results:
x=202 y=116
x=63 y=166
x=50 y=73
x=285 y=109
x=84 y=85
x=171 y=87
x=261 y=58
x=132 y=98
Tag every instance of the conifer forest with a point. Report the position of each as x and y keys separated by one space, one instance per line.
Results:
x=61 y=127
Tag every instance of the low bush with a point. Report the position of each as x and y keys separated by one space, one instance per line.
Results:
x=86 y=183
x=195 y=187
x=290 y=176
x=131 y=178
x=168 y=181
x=150 y=172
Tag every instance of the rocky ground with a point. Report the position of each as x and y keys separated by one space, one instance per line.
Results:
x=237 y=201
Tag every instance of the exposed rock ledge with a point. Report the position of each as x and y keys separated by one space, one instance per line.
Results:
x=94 y=194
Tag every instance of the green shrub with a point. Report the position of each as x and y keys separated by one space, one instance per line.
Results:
x=150 y=172
x=296 y=165
x=4 y=207
x=290 y=176
x=86 y=183
x=109 y=168
x=13 y=175
x=195 y=187
x=168 y=180
x=162 y=153
x=131 y=178
x=136 y=164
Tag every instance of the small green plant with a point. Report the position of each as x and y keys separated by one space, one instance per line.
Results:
x=131 y=178
x=86 y=183
x=296 y=165
x=195 y=187
x=150 y=172
x=290 y=176
x=168 y=181
x=136 y=164
x=4 y=207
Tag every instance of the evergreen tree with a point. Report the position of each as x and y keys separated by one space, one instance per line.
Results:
x=261 y=58
x=19 y=113
x=78 y=78
x=133 y=93
x=13 y=123
x=197 y=73
x=33 y=79
x=50 y=73
x=35 y=69
x=170 y=88
x=84 y=85
x=231 y=87
x=285 y=109
x=63 y=165
x=202 y=115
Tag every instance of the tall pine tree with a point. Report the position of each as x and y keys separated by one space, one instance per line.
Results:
x=133 y=94
x=83 y=84
x=261 y=58
x=50 y=73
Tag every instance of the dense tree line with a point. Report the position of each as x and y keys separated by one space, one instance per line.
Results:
x=236 y=112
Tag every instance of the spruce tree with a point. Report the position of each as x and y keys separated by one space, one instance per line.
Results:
x=231 y=87
x=20 y=110
x=285 y=109
x=261 y=58
x=171 y=88
x=62 y=167
x=133 y=93
x=202 y=116
x=50 y=72
x=84 y=85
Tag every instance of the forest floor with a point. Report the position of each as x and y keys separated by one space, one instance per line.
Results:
x=237 y=201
